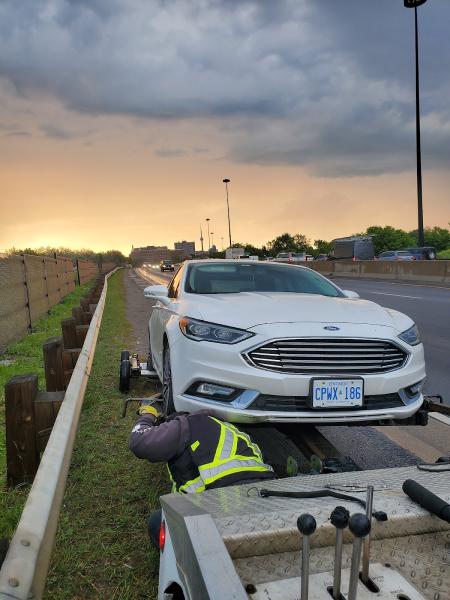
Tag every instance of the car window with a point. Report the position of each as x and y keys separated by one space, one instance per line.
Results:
x=283 y=255
x=174 y=285
x=230 y=278
x=403 y=253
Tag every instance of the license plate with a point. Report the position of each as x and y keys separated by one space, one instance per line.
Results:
x=337 y=393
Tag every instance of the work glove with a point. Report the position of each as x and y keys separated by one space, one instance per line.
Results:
x=149 y=407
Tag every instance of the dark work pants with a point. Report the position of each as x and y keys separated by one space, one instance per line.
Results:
x=153 y=524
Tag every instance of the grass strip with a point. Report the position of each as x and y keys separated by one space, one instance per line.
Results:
x=25 y=356
x=102 y=549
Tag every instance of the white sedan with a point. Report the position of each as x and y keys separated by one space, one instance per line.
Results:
x=260 y=341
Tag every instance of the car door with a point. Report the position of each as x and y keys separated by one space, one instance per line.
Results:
x=162 y=311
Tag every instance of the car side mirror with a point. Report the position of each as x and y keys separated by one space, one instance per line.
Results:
x=350 y=294
x=156 y=292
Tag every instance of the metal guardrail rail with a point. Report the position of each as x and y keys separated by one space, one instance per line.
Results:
x=24 y=570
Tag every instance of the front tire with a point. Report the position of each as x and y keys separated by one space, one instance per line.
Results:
x=167 y=391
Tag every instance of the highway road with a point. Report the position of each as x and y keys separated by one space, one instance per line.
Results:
x=429 y=306
x=372 y=447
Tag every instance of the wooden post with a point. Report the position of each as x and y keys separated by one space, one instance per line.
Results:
x=22 y=456
x=81 y=334
x=84 y=302
x=81 y=317
x=69 y=333
x=69 y=360
x=54 y=372
x=46 y=408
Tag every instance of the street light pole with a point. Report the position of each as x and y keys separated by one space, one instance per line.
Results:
x=209 y=237
x=226 y=182
x=222 y=243
x=420 y=234
x=212 y=239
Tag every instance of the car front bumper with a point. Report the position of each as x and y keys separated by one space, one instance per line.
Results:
x=223 y=364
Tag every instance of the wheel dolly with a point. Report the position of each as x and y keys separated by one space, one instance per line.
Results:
x=131 y=367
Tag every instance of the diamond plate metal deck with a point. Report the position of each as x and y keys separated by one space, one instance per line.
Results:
x=423 y=560
x=252 y=526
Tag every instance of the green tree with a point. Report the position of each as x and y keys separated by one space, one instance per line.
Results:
x=288 y=243
x=322 y=247
x=389 y=238
x=438 y=237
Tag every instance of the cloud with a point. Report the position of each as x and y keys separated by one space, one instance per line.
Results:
x=169 y=152
x=327 y=85
x=56 y=132
x=18 y=134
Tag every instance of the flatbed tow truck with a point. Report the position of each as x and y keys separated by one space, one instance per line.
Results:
x=374 y=534
x=331 y=532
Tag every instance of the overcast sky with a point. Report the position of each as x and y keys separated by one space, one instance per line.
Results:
x=120 y=118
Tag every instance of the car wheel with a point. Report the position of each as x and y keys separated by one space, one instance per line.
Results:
x=431 y=255
x=167 y=391
x=125 y=376
x=125 y=355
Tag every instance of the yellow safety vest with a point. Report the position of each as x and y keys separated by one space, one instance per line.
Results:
x=219 y=452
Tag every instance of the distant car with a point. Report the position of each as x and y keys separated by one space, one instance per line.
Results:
x=353 y=248
x=291 y=257
x=423 y=253
x=322 y=257
x=396 y=255
x=166 y=265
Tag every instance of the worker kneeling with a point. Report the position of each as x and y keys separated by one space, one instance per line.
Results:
x=201 y=452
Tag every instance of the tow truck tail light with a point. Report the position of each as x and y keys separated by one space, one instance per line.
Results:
x=162 y=535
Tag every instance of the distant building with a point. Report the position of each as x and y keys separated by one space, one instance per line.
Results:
x=153 y=255
x=187 y=249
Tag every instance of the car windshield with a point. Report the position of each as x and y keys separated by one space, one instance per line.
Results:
x=230 y=278
x=283 y=255
x=167 y=262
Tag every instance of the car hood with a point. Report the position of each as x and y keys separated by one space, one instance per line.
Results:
x=247 y=310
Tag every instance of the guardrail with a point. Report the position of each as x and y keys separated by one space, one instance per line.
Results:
x=24 y=570
x=428 y=271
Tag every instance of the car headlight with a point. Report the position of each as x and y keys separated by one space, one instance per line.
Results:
x=411 y=336
x=210 y=332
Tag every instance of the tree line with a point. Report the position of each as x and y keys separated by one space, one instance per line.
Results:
x=384 y=238
x=114 y=256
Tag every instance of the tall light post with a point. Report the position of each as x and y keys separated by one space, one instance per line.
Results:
x=209 y=237
x=226 y=182
x=212 y=239
x=222 y=243
x=421 y=241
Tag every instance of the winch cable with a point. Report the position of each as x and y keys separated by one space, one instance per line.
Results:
x=379 y=515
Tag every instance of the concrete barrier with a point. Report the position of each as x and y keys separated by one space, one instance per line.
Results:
x=422 y=270
x=346 y=268
x=427 y=271
x=379 y=269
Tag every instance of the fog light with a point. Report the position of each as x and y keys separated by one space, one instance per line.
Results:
x=416 y=388
x=214 y=390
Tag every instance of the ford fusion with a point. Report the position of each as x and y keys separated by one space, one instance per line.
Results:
x=281 y=343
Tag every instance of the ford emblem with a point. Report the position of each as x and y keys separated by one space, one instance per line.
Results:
x=331 y=328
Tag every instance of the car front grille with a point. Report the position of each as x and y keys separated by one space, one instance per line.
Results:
x=328 y=356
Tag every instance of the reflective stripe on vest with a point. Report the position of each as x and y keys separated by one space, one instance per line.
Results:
x=194 y=486
x=226 y=461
